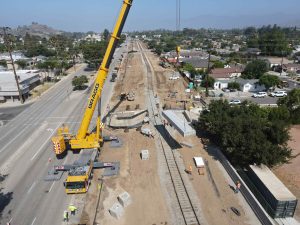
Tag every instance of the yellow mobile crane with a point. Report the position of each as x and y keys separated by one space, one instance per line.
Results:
x=84 y=139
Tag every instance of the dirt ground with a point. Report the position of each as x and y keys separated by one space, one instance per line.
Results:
x=212 y=203
x=139 y=178
x=289 y=173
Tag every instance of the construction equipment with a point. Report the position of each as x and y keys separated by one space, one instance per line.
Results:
x=85 y=139
x=80 y=172
x=147 y=132
x=130 y=96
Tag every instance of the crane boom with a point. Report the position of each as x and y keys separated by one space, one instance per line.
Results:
x=103 y=71
x=84 y=139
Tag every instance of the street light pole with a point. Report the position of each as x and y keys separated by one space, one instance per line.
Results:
x=8 y=46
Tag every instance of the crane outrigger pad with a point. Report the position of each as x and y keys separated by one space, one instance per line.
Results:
x=113 y=170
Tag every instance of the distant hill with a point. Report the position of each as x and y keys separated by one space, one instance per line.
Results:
x=37 y=30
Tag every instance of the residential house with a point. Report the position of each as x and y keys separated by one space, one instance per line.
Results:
x=253 y=51
x=226 y=73
x=197 y=62
x=188 y=53
x=276 y=61
x=291 y=67
x=235 y=47
x=93 y=37
x=245 y=85
x=250 y=85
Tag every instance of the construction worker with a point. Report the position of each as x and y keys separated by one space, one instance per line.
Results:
x=73 y=209
x=66 y=216
x=238 y=187
x=189 y=171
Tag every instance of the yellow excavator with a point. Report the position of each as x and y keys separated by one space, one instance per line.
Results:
x=85 y=139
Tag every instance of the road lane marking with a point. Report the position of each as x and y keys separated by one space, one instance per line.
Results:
x=29 y=190
x=43 y=145
x=3 y=148
x=51 y=187
x=33 y=221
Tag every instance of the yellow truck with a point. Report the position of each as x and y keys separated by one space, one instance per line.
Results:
x=78 y=179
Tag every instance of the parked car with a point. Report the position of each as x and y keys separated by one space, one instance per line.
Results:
x=260 y=94
x=235 y=102
x=278 y=94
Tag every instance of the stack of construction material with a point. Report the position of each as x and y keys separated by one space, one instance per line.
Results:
x=116 y=210
x=124 y=199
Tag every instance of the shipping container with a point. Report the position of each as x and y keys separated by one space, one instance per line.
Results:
x=277 y=200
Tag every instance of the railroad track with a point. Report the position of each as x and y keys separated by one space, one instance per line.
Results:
x=188 y=210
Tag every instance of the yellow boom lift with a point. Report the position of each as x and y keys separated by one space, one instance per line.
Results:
x=85 y=139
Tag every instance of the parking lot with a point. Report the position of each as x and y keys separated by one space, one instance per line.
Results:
x=242 y=96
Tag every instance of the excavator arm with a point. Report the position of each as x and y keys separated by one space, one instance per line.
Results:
x=84 y=139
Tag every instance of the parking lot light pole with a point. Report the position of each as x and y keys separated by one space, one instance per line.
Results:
x=8 y=46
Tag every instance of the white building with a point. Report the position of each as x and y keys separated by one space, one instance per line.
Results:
x=93 y=37
x=245 y=85
x=28 y=79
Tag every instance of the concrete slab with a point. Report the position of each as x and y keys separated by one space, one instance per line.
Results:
x=127 y=119
x=125 y=199
x=116 y=143
x=116 y=210
x=145 y=154
x=187 y=144
x=178 y=120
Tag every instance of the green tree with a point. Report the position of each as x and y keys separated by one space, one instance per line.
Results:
x=269 y=81
x=234 y=85
x=248 y=134
x=292 y=103
x=93 y=52
x=272 y=41
x=208 y=82
x=21 y=63
x=255 y=69
x=218 y=64
x=105 y=34
x=3 y=63
x=78 y=82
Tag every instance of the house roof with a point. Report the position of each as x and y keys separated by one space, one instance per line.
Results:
x=225 y=72
x=197 y=62
x=277 y=60
x=291 y=65
x=242 y=81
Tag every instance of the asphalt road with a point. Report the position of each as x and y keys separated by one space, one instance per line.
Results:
x=7 y=114
x=25 y=150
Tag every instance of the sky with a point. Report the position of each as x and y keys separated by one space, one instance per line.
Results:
x=96 y=15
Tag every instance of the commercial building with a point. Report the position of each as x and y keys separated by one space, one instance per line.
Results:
x=28 y=79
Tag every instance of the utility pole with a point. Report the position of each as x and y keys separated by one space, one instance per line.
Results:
x=8 y=46
x=281 y=63
x=208 y=70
